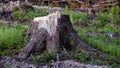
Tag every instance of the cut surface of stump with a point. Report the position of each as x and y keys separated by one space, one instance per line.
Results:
x=51 y=33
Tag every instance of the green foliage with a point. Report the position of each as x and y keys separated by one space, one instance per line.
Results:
x=103 y=22
x=110 y=16
x=47 y=57
x=18 y=14
x=81 y=56
x=44 y=57
x=108 y=45
x=113 y=13
x=35 y=58
x=76 y=16
x=28 y=14
x=112 y=60
x=102 y=19
x=66 y=9
x=11 y=38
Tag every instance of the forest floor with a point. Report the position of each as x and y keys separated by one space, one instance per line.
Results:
x=101 y=31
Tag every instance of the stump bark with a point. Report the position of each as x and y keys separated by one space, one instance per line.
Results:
x=51 y=33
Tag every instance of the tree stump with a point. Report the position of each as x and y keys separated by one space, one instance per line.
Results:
x=51 y=33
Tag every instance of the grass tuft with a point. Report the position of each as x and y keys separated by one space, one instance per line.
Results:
x=11 y=38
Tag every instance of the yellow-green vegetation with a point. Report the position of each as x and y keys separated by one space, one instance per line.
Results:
x=11 y=39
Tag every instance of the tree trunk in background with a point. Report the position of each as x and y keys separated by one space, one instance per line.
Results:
x=51 y=33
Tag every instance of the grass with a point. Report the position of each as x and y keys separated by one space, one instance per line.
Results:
x=103 y=22
x=104 y=43
x=81 y=56
x=28 y=14
x=75 y=16
x=44 y=57
x=107 y=45
x=11 y=39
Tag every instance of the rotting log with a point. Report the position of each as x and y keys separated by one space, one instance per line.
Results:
x=53 y=32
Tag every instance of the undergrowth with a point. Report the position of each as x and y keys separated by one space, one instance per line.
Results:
x=43 y=58
x=28 y=14
x=103 y=22
x=11 y=39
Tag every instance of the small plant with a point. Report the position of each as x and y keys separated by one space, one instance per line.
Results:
x=18 y=14
x=35 y=58
x=44 y=57
x=11 y=38
x=28 y=14
x=102 y=19
x=47 y=57
x=113 y=13
x=66 y=9
x=82 y=56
